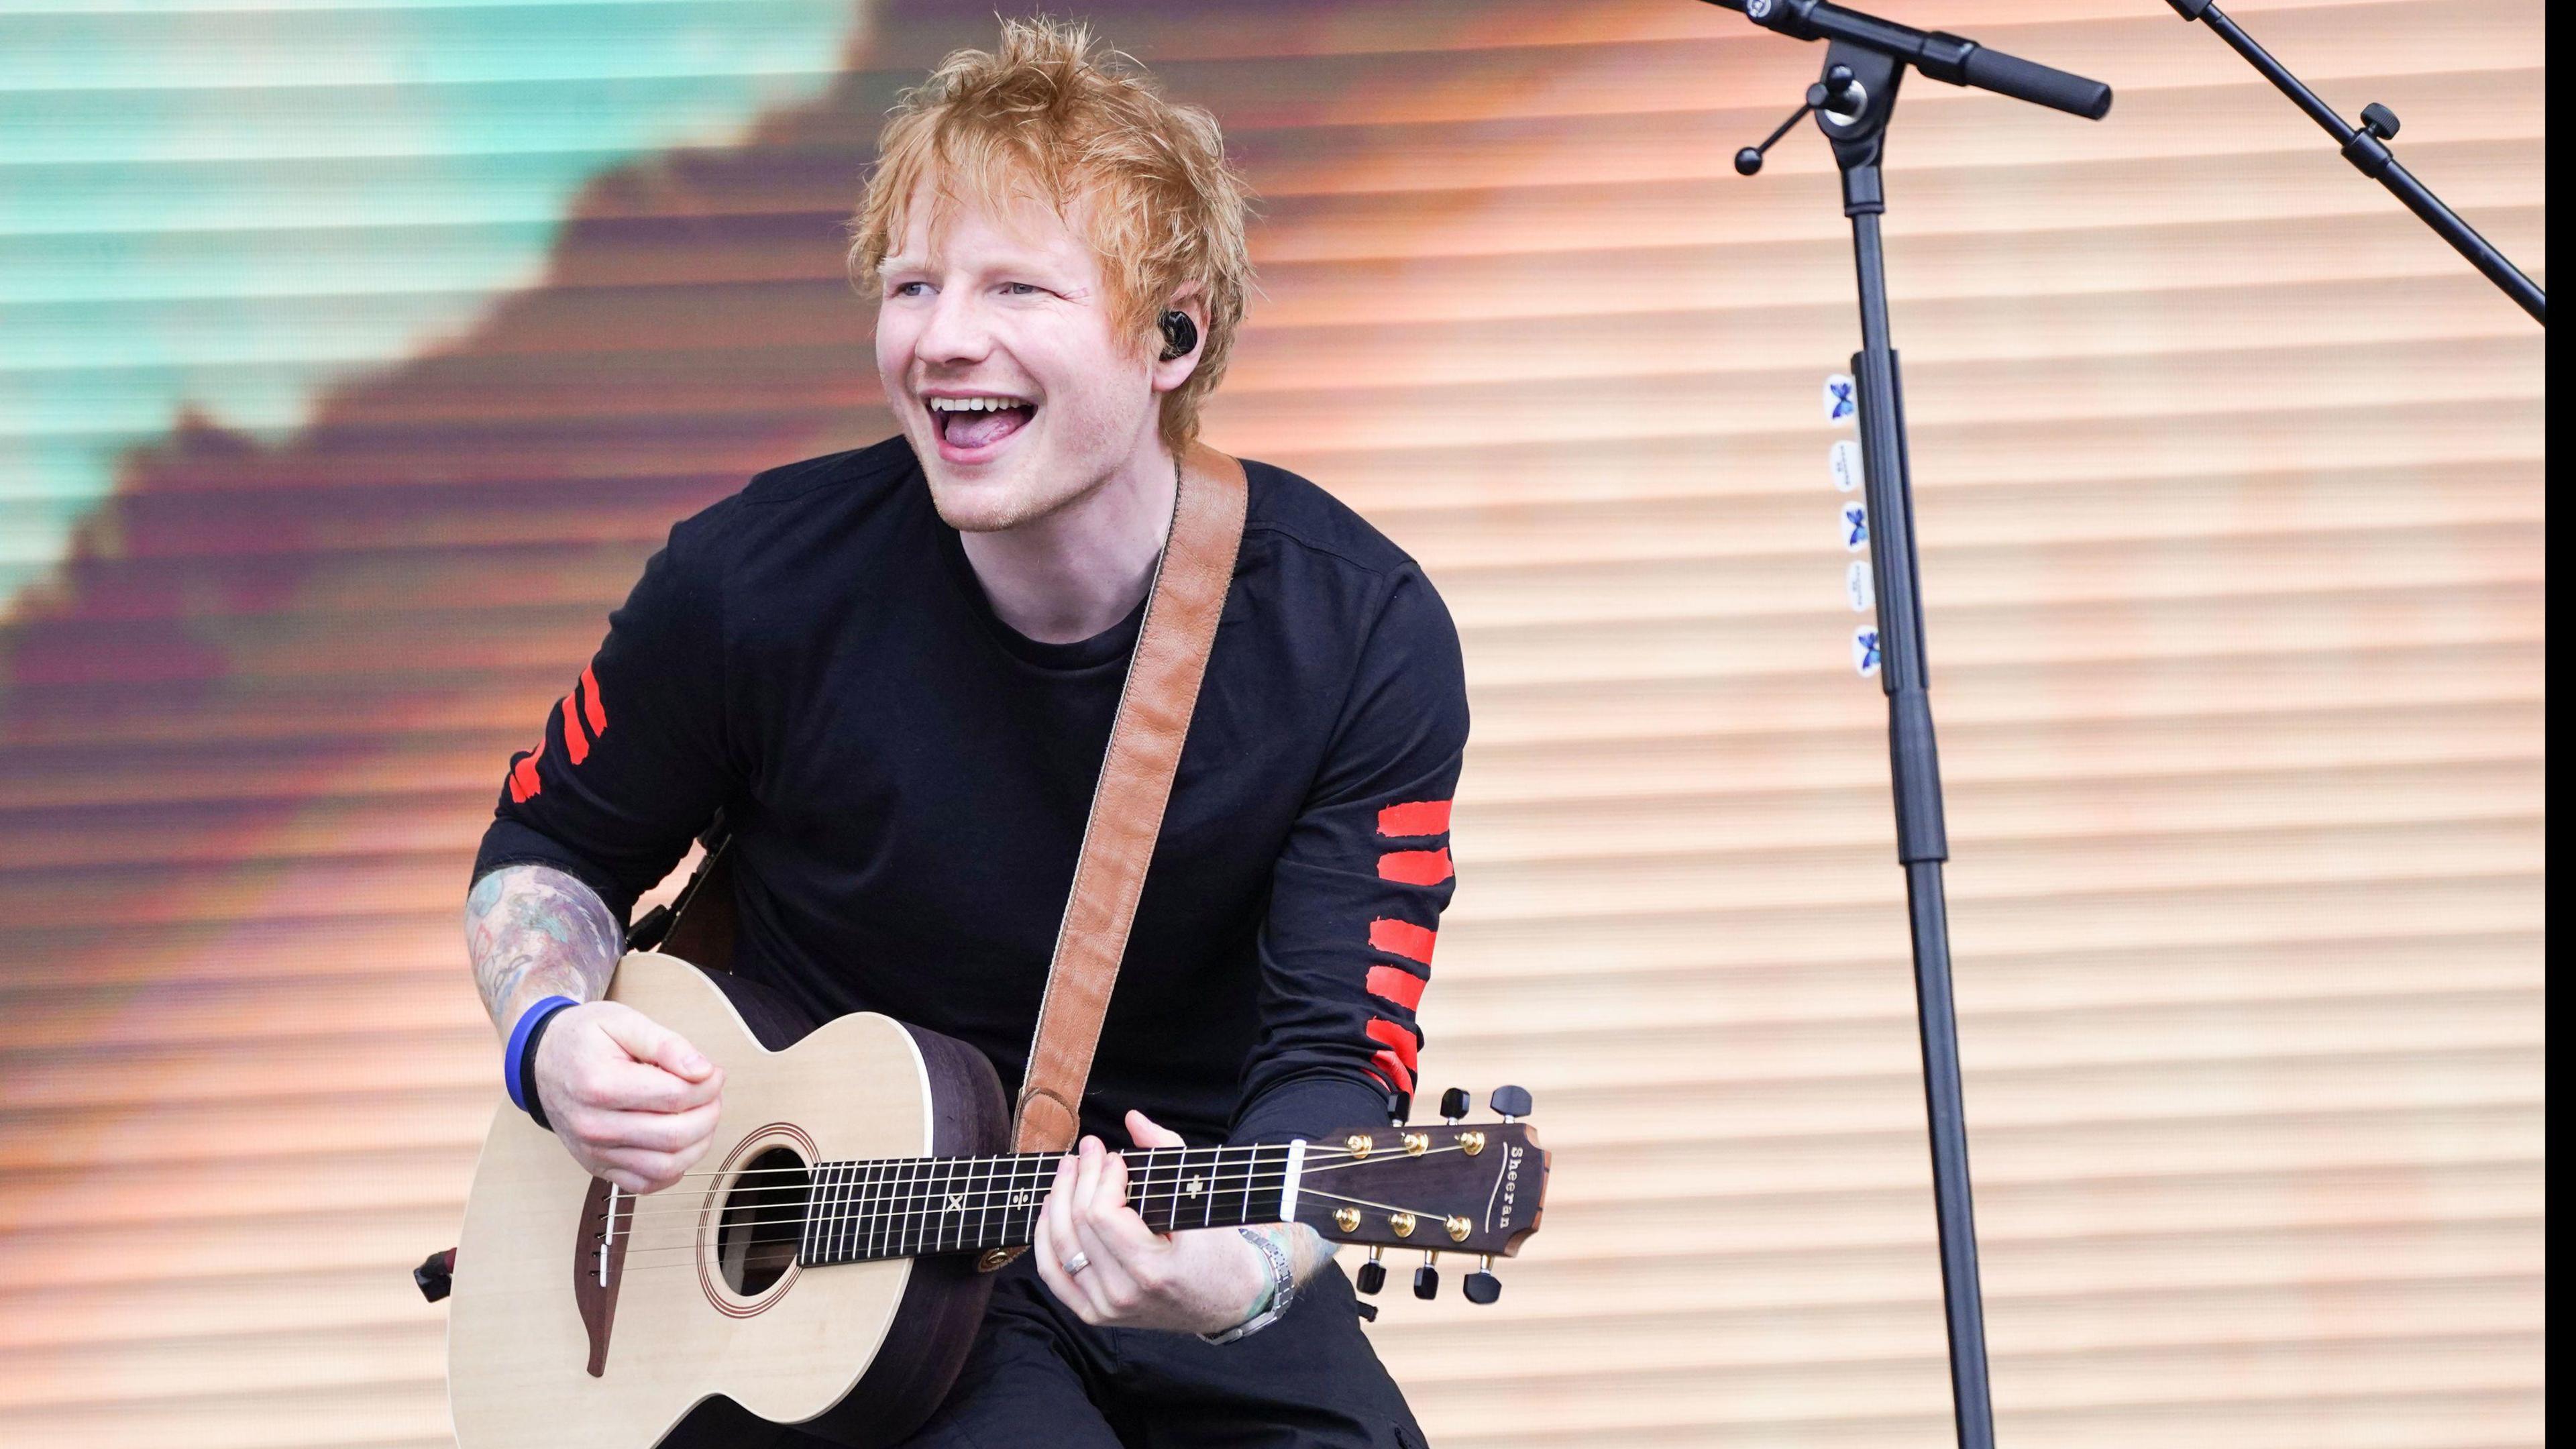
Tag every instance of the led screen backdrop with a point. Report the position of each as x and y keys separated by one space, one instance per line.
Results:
x=353 y=357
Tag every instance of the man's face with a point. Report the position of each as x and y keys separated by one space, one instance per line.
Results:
x=996 y=348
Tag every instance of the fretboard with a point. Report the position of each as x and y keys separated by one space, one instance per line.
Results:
x=903 y=1207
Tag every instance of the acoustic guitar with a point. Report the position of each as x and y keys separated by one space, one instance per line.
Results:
x=824 y=1264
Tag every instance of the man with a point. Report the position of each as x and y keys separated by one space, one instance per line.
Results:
x=893 y=670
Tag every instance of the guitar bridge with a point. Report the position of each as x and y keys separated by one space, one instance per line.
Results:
x=599 y=1263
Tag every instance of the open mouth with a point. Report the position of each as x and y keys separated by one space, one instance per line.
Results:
x=971 y=426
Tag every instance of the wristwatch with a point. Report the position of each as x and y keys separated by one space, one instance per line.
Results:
x=1283 y=1289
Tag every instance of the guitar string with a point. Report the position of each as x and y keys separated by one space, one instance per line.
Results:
x=1313 y=1150
x=834 y=1174
x=932 y=1248
x=910 y=1204
x=924 y=1187
x=908 y=1210
x=1316 y=1160
x=919 y=1200
x=902 y=1215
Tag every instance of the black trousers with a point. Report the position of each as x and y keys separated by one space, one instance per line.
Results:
x=1039 y=1376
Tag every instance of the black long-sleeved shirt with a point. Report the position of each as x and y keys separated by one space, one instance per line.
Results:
x=907 y=777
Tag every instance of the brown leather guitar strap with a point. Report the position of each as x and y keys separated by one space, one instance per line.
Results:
x=1135 y=783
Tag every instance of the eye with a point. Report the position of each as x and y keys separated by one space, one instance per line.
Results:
x=1021 y=289
x=908 y=289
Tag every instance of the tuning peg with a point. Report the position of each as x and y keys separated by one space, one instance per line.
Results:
x=1399 y=1108
x=1513 y=1103
x=1453 y=1104
x=1482 y=1286
x=1373 y=1272
x=1426 y=1279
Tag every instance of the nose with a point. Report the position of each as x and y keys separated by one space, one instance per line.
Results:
x=955 y=333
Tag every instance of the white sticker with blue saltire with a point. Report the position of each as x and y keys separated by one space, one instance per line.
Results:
x=1842 y=398
x=1855 y=526
x=1857 y=583
x=1865 y=650
x=1844 y=460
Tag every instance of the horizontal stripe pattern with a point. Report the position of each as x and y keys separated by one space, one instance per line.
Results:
x=2230 y=484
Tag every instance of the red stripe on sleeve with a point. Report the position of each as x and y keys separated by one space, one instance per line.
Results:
x=576 y=744
x=524 y=784
x=1403 y=938
x=590 y=698
x=1416 y=817
x=1397 y=985
x=1397 y=1039
x=1415 y=867
x=1392 y=1072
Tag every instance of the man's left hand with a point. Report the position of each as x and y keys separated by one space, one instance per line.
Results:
x=1202 y=1281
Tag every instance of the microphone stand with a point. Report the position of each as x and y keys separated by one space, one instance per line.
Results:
x=1865 y=62
x=2367 y=150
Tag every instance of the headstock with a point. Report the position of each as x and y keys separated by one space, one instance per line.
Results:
x=1459 y=1187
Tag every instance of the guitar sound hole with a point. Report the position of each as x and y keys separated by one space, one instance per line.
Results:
x=763 y=1220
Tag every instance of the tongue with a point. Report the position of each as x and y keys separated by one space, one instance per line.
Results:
x=976 y=430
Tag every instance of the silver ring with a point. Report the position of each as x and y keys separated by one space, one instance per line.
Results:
x=1074 y=1265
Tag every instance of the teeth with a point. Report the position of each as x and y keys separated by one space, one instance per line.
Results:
x=972 y=404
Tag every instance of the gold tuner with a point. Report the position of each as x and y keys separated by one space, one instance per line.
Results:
x=1417 y=1143
x=1348 y=1218
x=1402 y=1223
x=1458 y=1229
x=1473 y=1142
x=1358 y=1145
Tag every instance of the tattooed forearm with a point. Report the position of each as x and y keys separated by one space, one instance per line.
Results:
x=532 y=932
x=1306 y=1249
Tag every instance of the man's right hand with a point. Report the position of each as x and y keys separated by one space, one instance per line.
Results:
x=633 y=1102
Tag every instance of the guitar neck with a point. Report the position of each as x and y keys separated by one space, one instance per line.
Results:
x=903 y=1207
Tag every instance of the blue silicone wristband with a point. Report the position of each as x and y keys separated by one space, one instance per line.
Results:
x=510 y=1063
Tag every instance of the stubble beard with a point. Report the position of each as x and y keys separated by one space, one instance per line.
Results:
x=1001 y=506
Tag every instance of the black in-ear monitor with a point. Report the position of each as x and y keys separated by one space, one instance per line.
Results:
x=1180 y=334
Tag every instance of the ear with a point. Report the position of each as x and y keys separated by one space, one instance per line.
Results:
x=1171 y=373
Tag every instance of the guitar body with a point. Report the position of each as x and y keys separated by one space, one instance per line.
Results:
x=701 y=1326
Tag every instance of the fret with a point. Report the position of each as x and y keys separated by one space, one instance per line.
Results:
x=900 y=1207
x=1041 y=1180
x=1140 y=1186
x=952 y=1205
x=995 y=1198
x=867 y=1209
x=916 y=1190
x=847 y=1211
x=1029 y=1176
x=934 y=1202
x=836 y=1205
x=941 y=1195
x=821 y=1209
x=1175 y=1165
x=805 y=1250
x=850 y=1207
x=864 y=1213
x=890 y=1213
